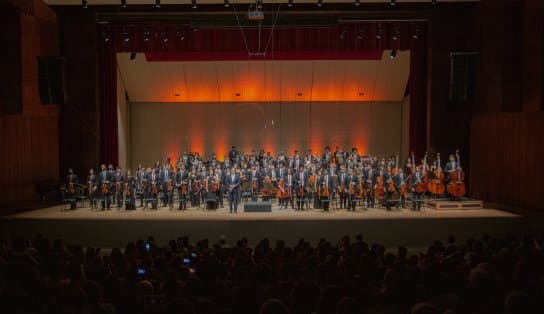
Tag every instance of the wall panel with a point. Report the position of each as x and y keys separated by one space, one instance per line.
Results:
x=171 y=128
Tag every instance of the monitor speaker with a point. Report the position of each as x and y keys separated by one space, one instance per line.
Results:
x=51 y=80
x=462 y=76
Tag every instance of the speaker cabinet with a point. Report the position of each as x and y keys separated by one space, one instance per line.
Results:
x=51 y=80
x=462 y=76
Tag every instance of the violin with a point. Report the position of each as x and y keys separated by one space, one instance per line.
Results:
x=71 y=188
x=379 y=189
x=456 y=186
x=105 y=188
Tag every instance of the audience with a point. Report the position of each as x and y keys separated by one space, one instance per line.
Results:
x=487 y=275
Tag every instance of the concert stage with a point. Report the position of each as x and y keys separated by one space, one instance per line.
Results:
x=115 y=228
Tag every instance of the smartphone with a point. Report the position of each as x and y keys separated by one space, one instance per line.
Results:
x=147 y=247
x=186 y=261
x=141 y=271
x=194 y=255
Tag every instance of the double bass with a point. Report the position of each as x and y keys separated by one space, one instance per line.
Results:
x=456 y=186
x=379 y=189
x=436 y=186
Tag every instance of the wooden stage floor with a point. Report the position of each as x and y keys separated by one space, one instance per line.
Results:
x=117 y=227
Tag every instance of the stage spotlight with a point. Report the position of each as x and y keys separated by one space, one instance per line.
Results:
x=157 y=3
x=379 y=32
x=415 y=35
x=290 y=3
x=361 y=35
x=85 y=4
x=259 y=4
x=357 y=3
x=393 y=53
x=319 y=3
x=164 y=37
x=226 y=3
x=396 y=34
x=193 y=4
x=126 y=37
x=124 y=4
x=343 y=33
x=393 y=3
x=146 y=35
x=180 y=34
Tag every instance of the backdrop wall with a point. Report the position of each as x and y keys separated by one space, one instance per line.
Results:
x=170 y=128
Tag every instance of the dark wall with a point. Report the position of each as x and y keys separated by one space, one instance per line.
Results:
x=79 y=124
x=508 y=121
x=28 y=130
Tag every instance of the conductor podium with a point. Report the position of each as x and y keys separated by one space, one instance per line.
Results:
x=258 y=207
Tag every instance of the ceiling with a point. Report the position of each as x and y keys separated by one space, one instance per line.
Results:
x=252 y=81
x=166 y=2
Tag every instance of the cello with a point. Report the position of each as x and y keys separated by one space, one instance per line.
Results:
x=456 y=186
x=436 y=186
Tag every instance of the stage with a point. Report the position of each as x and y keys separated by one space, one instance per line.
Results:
x=116 y=227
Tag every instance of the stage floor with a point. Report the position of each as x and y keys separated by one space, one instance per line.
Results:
x=117 y=227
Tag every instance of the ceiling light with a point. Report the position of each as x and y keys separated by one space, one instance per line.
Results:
x=157 y=3
x=393 y=54
x=123 y=4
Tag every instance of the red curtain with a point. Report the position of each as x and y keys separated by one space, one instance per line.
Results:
x=162 y=41
x=108 y=104
x=418 y=96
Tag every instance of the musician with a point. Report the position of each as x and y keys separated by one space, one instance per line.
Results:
x=104 y=183
x=220 y=177
x=343 y=187
x=92 y=180
x=289 y=183
x=417 y=196
x=130 y=190
x=152 y=192
x=233 y=154
x=325 y=184
x=118 y=179
x=70 y=191
x=401 y=180
x=181 y=185
x=255 y=178
x=390 y=196
x=167 y=185
x=141 y=184
x=351 y=182
x=195 y=188
x=232 y=181
x=451 y=166
x=301 y=181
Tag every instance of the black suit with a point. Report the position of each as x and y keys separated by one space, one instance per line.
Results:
x=301 y=181
x=233 y=186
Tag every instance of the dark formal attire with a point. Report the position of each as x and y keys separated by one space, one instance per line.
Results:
x=233 y=185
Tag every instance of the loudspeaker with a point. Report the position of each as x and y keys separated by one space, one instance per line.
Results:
x=258 y=207
x=462 y=76
x=51 y=80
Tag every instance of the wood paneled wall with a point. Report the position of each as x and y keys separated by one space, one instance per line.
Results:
x=29 y=137
x=79 y=138
x=508 y=122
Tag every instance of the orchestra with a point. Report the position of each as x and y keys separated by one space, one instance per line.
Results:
x=333 y=180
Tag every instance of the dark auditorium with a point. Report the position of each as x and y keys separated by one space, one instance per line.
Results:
x=272 y=157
